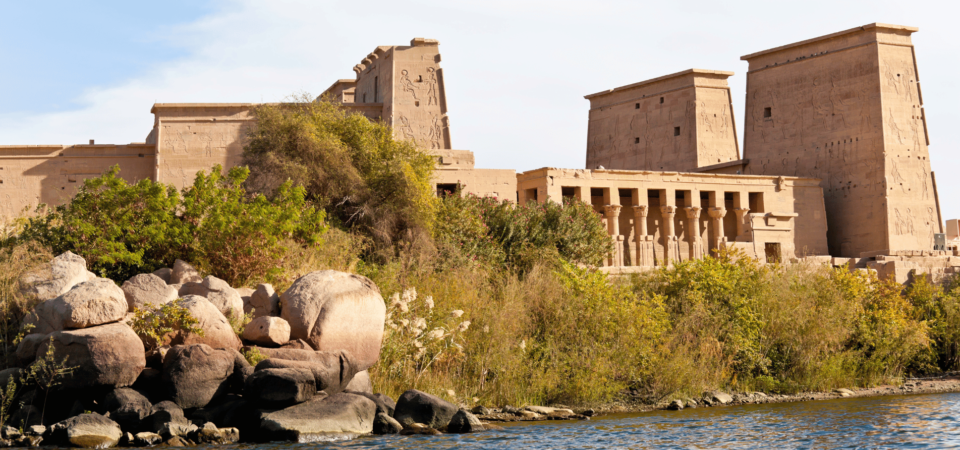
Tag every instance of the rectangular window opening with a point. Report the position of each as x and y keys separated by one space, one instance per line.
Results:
x=636 y=140
x=756 y=202
x=532 y=194
x=567 y=191
x=637 y=106
x=676 y=131
x=772 y=250
x=445 y=189
x=661 y=100
x=596 y=192
x=767 y=113
x=376 y=88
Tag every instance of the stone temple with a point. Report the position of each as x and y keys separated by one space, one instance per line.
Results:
x=834 y=165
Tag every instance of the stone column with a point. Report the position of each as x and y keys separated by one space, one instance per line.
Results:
x=613 y=228
x=693 y=226
x=741 y=221
x=642 y=239
x=670 y=249
x=716 y=217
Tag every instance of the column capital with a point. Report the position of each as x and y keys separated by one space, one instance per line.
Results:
x=717 y=213
x=612 y=210
x=741 y=210
x=693 y=212
x=668 y=210
x=640 y=211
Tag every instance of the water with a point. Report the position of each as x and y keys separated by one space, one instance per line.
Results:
x=916 y=421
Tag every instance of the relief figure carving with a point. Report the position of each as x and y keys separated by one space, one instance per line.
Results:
x=407 y=85
x=432 y=87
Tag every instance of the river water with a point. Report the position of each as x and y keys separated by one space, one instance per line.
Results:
x=913 y=421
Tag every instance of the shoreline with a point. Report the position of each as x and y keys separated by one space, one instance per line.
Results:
x=911 y=386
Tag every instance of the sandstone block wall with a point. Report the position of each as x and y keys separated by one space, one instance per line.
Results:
x=846 y=108
x=677 y=122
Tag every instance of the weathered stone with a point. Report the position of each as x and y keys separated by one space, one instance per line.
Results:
x=336 y=311
x=332 y=371
x=843 y=392
x=217 y=332
x=184 y=273
x=174 y=429
x=718 y=397
x=210 y=434
x=297 y=344
x=675 y=405
x=385 y=404
x=147 y=289
x=146 y=438
x=267 y=330
x=27 y=349
x=481 y=410
x=464 y=422
x=280 y=386
x=419 y=428
x=35 y=430
x=87 y=431
x=245 y=294
x=164 y=274
x=265 y=301
x=339 y=413
x=163 y=413
x=87 y=304
x=225 y=298
x=420 y=407
x=360 y=383
x=384 y=424
x=178 y=441
x=53 y=280
x=196 y=374
x=108 y=355
x=127 y=407
x=8 y=432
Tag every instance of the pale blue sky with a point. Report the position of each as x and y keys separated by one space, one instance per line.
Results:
x=516 y=70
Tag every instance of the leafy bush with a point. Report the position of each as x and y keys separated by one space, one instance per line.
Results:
x=352 y=167
x=123 y=230
x=253 y=356
x=499 y=233
x=154 y=324
x=17 y=260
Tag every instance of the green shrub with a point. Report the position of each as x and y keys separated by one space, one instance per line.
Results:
x=154 y=324
x=353 y=168
x=123 y=230
x=254 y=356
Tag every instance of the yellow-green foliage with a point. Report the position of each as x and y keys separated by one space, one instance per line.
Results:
x=16 y=260
x=254 y=356
x=352 y=167
x=154 y=324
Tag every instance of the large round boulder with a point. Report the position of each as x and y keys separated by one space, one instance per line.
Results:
x=267 y=330
x=333 y=311
x=108 y=355
x=54 y=279
x=280 y=386
x=147 y=289
x=217 y=331
x=86 y=431
x=183 y=273
x=339 y=413
x=127 y=407
x=87 y=304
x=196 y=374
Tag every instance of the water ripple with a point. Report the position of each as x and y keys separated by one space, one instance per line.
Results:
x=919 y=421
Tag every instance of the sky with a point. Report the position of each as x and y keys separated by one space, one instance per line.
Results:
x=516 y=71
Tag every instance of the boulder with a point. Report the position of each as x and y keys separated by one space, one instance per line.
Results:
x=217 y=332
x=163 y=413
x=147 y=289
x=108 y=355
x=675 y=405
x=265 y=301
x=87 y=304
x=267 y=330
x=717 y=397
x=27 y=349
x=360 y=383
x=127 y=407
x=196 y=374
x=6 y=375
x=210 y=434
x=420 y=407
x=87 y=431
x=464 y=422
x=332 y=371
x=245 y=294
x=384 y=424
x=339 y=413
x=297 y=344
x=164 y=274
x=146 y=438
x=150 y=384
x=225 y=298
x=230 y=411
x=171 y=430
x=481 y=410
x=333 y=311
x=280 y=386
x=385 y=404
x=53 y=280
x=184 y=273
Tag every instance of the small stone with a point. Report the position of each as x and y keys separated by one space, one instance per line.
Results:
x=718 y=397
x=36 y=430
x=384 y=424
x=588 y=413
x=528 y=415
x=676 y=405
x=480 y=410
x=9 y=432
x=507 y=409
x=146 y=438
x=843 y=392
x=418 y=428
x=464 y=422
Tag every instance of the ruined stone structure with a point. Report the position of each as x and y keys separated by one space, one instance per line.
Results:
x=835 y=158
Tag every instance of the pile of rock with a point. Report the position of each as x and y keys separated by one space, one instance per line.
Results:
x=318 y=339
